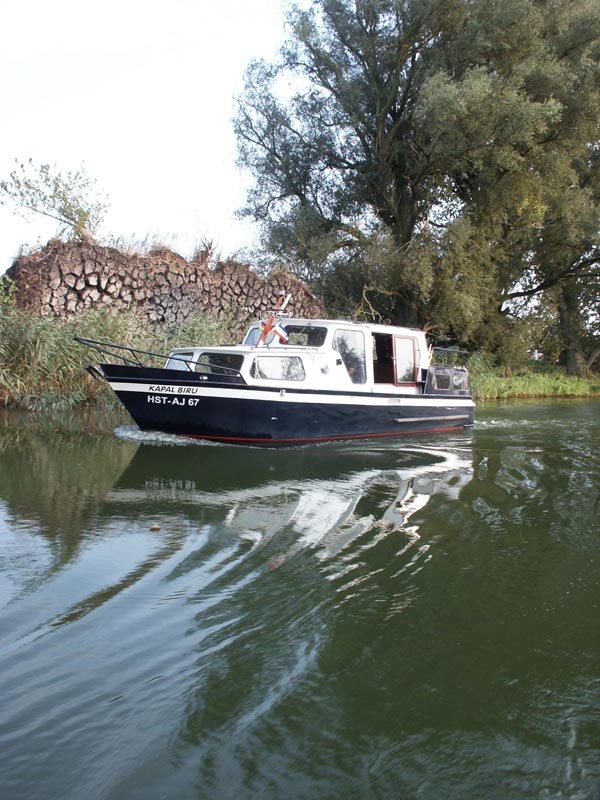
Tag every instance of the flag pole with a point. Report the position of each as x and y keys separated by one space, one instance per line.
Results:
x=271 y=322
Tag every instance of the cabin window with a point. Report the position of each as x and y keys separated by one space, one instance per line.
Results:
x=441 y=381
x=219 y=363
x=404 y=355
x=299 y=335
x=252 y=336
x=460 y=381
x=278 y=368
x=351 y=347
x=179 y=361
x=305 y=335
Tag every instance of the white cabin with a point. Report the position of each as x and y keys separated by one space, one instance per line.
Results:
x=319 y=354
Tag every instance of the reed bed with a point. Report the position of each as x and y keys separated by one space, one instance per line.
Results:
x=536 y=380
x=43 y=367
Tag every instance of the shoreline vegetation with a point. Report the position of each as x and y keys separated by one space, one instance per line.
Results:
x=42 y=368
x=531 y=384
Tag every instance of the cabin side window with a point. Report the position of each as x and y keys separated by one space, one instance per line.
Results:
x=306 y=335
x=441 y=380
x=252 y=336
x=351 y=347
x=219 y=363
x=278 y=368
x=179 y=361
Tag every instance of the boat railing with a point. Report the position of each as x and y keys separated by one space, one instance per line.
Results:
x=210 y=368
x=449 y=357
x=134 y=356
x=123 y=353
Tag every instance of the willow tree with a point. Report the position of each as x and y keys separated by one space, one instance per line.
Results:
x=538 y=206
x=416 y=146
x=68 y=197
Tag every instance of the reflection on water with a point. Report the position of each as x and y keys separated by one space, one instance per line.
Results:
x=342 y=621
x=321 y=497
x=51 y=487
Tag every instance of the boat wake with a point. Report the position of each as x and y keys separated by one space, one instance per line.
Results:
x=131 y=433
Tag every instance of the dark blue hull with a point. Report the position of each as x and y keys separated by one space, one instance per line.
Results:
x=188 y=405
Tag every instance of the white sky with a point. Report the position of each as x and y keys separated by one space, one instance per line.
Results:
x=141 y=92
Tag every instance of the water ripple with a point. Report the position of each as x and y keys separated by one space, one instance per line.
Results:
x=359 y=620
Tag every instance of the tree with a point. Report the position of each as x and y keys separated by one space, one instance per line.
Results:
x=546 y=206
x=342 y=162
x=70 y=198
x=425 y=143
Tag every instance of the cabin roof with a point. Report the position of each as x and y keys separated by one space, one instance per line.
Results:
x=370 y=327
x=374 y=327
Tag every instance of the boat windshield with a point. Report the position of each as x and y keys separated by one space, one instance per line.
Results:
x=299 y=335
x=179 y=360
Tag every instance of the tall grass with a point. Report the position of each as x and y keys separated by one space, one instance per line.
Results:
x=43 y=367
x=491 y=382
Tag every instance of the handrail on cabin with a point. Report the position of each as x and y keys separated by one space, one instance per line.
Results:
x=447 y=353
x=108 y=350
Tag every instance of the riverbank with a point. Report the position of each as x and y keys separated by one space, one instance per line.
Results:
x=42 y=367
x=493 y=385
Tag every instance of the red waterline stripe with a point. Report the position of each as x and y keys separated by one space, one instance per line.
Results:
x=320 y=438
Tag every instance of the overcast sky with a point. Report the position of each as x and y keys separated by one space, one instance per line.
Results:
x=142 y=93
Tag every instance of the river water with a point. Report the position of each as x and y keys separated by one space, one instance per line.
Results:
x=404 y=619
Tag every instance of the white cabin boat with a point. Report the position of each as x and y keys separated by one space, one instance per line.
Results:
x=293 y=381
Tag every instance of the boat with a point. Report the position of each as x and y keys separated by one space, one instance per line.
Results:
x=292 y=381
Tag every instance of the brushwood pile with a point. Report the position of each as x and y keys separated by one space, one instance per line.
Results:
x=65 y=279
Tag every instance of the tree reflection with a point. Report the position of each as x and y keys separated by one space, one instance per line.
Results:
x=54 y=481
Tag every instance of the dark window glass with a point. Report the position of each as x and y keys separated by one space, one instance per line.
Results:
x=441 y=381
x=219 y=363
x=299 y=335
x=305 y=335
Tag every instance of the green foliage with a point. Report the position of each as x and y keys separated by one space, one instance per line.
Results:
x=443 y=154
x=7 y=291
x=69 y=197
x=495 y=377
x=42 y=366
